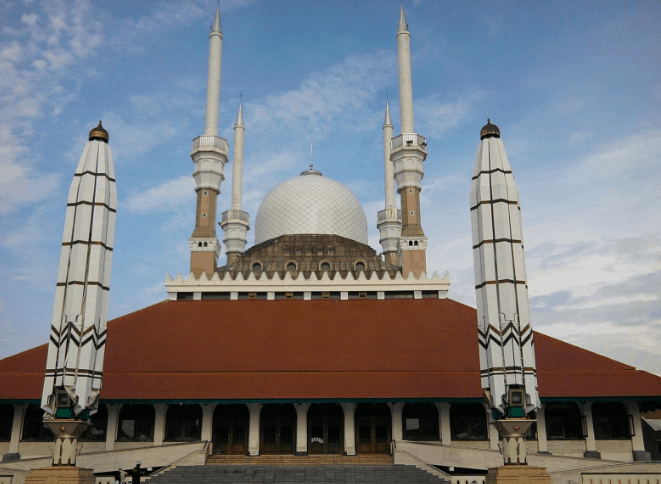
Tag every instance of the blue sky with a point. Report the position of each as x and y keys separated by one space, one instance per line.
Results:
x=574 y=88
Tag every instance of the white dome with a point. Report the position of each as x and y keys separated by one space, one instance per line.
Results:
x=310 y=204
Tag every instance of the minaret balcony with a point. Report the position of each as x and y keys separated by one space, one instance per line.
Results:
x=235 y=217
x=408 y=141
x=387 y=215
x=210 y=143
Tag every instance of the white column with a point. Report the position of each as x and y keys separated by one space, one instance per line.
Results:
x=213 y=80
x=590 y=443
x=494 y=436
x=253 y=432
x=396 y=412
x=237 y=170
x=637 y=443
x=302 y=427
x=349 y=428
x=444 y=422
x=111 y=428
x=541 y=431
x=16 y=427
x=405 y=81
x=207 y=421
x=159 y=423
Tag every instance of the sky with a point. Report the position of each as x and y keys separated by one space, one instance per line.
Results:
x=574 y=89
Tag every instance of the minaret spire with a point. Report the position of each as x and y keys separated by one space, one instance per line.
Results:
x=389 y=220
x=408 y=151
x=213 y=80
x=210 y=156
x=235 y=222
x=405 y=80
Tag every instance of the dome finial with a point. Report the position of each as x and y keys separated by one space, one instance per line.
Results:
x=99 y=134
x=489 y=130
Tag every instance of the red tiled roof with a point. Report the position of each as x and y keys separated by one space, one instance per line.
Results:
x=319 y=349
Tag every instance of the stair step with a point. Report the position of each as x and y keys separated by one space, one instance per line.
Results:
x=328 y=474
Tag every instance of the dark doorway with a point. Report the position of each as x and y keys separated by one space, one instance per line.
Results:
x=183 y=423
x=420 y=421
x=278 y=429
x=373 y=428
x=325 y=428
x=230 y=429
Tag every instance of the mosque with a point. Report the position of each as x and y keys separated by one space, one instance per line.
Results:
x=311 y=343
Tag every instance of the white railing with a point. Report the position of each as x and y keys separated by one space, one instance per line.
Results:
x=389 y=214
x=408 y=139
x=235 y=214
x=210 y=141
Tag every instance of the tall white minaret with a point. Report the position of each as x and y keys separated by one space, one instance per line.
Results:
x=209 y=154
x=407 y=153
x=389 y=220
x=74 y=365
x=507 y=353
x=235 y=222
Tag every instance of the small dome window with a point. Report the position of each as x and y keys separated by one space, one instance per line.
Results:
x=325 y=266
x=291 y=266
x=257 y=266
x=360 y=266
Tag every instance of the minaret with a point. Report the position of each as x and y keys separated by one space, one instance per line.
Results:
x=235 y=222
x=389 y=220
x=407 y=153
x=74 y=365
x=507 y=354
x=209 y=154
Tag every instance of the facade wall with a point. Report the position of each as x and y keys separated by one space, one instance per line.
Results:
x=569 y=448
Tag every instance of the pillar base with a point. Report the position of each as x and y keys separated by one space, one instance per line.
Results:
x=61 y=475
x=518 y=474
x=591 y=454
x=11 y=457
x=641 y=456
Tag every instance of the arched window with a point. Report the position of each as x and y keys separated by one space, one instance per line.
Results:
x=33 y=425
x=611 y=421
x=420 y=421
x=291 y=266
x=97 y=431
x=136 y=423
x=360 y=266
x=468 y=421
x=257 y=266
x=183 y=423
x=325 y=266
x=373 y=428
x=563 y=421
x=6 y=421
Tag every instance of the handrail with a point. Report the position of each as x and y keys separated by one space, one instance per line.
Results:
x=427 y=467
x=174 y=464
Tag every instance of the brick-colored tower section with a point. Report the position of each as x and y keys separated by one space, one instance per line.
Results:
x=209 y=154
x=408 y=151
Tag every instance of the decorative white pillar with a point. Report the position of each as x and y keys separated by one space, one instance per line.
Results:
x=253 y=432
x=16 y=427
x=637 y=443
x=207 y=421
x=302 y=428
x=111 y=428
x=444 y=422
x=349 y=428
x=159 y=423
x=590 y=443
x=494 y=436
x=397 y=427
x=542 y=444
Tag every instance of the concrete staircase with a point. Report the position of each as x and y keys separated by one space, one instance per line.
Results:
x=299 y=474
x=305 y=460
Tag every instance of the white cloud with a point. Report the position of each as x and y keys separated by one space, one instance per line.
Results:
x=165 y=196
x=437 y=115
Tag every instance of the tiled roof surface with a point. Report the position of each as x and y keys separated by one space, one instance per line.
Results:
x=288 y=349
